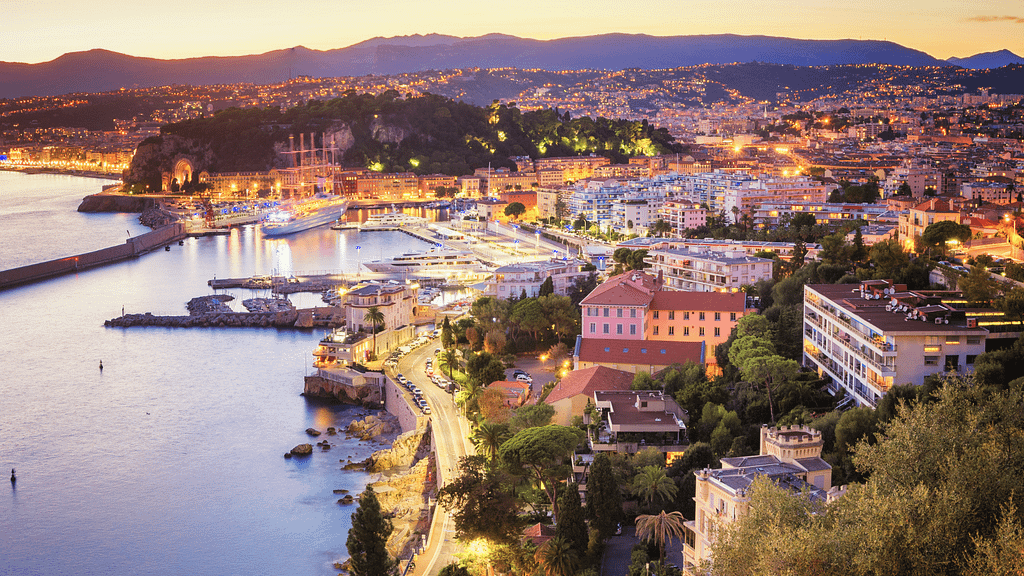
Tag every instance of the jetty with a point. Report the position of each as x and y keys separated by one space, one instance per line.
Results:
x=132 y=248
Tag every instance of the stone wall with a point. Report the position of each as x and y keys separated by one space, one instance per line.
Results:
x=360 y=393
x=395 y=403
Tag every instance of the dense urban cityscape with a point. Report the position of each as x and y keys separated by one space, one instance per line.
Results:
x=721 y=319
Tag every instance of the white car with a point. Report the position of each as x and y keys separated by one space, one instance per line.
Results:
x=524 y=378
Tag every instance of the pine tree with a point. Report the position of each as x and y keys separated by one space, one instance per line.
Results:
x=368 y=538
x=571 y=525
x=547 y=287
x=604 y=503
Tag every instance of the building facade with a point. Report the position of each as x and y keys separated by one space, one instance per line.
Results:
x=871 y=337
x=702 y=271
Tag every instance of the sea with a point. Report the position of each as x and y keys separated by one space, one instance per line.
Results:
x=169 y=460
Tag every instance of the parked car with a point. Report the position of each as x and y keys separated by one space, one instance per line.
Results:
x=524 y=378
x=425 y=409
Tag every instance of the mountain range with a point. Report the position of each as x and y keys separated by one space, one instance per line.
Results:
x=102 y=70
x=984 y=60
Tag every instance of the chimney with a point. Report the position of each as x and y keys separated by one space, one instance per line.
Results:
x=934 y=201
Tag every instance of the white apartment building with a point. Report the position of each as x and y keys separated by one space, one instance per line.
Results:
x=772 y=214
x=710 y=188
x=634 y=216
x=510 y=281
x=870 y=337
x=702 y=271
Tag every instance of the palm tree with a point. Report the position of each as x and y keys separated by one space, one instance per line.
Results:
x=490 y=437
x=660 y=528
x=449 y=360
x=375 y=318
x=557 y=557
x=652 y=483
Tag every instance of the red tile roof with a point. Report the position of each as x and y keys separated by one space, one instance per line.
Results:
x=640 y=352
x=710 y=301
x=589 y=380
x=623 y=290
x=539 y=533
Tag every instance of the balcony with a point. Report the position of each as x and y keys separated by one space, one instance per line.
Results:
x=884 y=348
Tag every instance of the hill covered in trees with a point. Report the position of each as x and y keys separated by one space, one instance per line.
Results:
x=427 y=134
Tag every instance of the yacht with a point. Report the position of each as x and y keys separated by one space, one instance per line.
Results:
x=434 y=260
x=305 y=214
x=391 y=221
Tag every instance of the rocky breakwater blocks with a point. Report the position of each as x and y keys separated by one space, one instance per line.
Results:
x=371 y=426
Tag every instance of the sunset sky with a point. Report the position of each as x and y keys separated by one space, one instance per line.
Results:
x=40 y=30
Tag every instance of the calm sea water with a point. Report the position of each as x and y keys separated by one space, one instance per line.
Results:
x=169 y=461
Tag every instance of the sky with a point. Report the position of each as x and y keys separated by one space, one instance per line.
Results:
x=41 y=30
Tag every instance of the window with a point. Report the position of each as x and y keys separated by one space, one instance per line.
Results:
x=671 y=314
x=605 y=312
x=952 y=362
x=970 y=359
x=625 y=350
x=605 y=328
x=686 y=330
x=718 y=331
x=701 y=331
x=643 y=350
x=607 y=349
x=632 y=312
x=618 y=328
x=732 y=316
x=973 y=340
x=618 y=312
x=702 y=316
x=718 y=316
x=643 y=404
x=671 y=330
x=655 y=331
x=931 y=360
x=655 y=316
x=952 y=339
x=686 y=315
x=632 y=329
x=593 y=328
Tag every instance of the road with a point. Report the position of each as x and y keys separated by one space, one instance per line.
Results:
x=452 y=432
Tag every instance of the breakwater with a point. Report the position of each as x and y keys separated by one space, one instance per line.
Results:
x=132 y=248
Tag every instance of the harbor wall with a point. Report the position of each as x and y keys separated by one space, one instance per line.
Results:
x=131 y=248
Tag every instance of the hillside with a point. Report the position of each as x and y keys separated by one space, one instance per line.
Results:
x=103 y=70
x=424 y=135
x=985 y=60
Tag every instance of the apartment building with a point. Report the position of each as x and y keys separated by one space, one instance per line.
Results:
x=991 y=192
x=703 y=271
x=790 y=456
x=748 y=247
x=633 y=216
x=636 y=306
x=917 y=174
x=800 y=189
x=512 y=280
x=682 y=215
x=773 y=214
x=870 y=337
x=913 y=223
x=573 y=167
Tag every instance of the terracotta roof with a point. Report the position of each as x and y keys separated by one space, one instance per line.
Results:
x=649 y=352
x=539 y=533
x=713 y=301
x=590 y=380
x=622 y=290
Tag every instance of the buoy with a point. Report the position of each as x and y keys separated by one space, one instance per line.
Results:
x=101 y=365
x=13 y=477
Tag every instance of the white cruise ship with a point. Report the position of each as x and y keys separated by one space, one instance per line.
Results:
x=305 y=214
x=437 y=259
x=390 y=221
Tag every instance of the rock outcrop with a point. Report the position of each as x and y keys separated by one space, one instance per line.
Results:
x=405 y=497
x=115 y=203
x=403 y=452
x=372 y=426
x=302 y=450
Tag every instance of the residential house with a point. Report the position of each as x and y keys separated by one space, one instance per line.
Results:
x=573 y=392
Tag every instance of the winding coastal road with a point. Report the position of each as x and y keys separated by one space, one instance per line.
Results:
x=451 y=431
